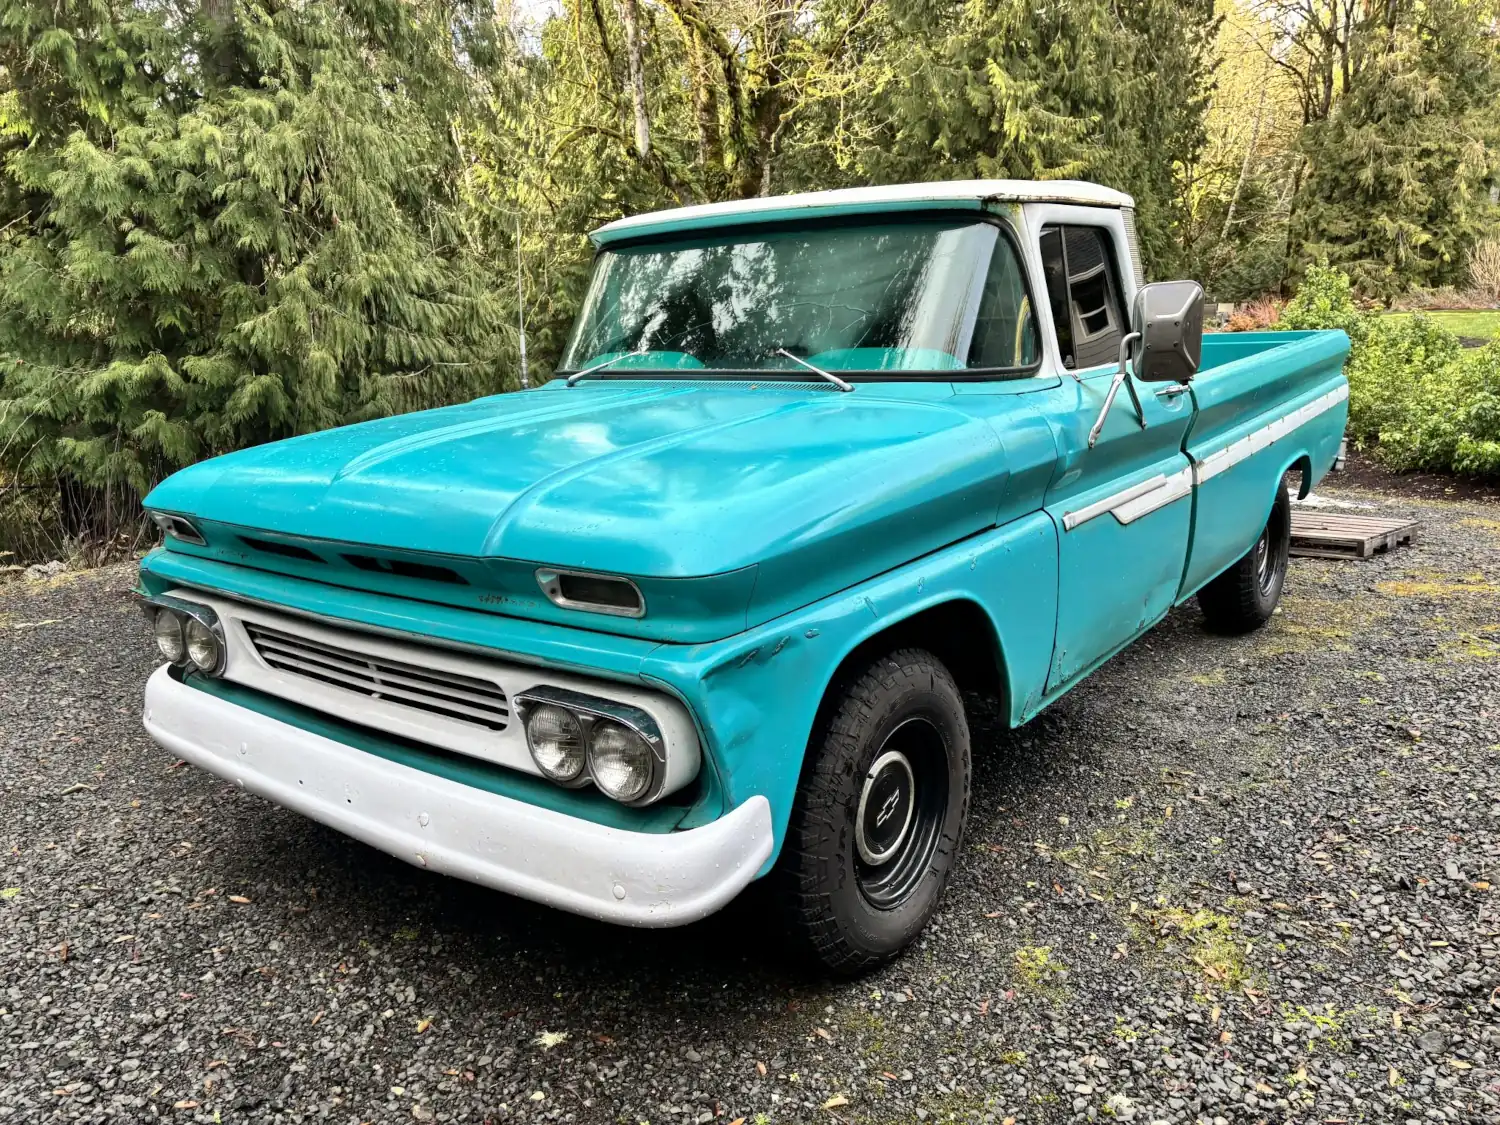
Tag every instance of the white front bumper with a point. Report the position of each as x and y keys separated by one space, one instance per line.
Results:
x=635 y=878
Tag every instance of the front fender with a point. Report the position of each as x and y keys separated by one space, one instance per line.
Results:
x=756 y=696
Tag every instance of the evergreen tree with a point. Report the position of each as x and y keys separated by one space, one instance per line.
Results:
x=1396 y=184
x=1108 y=90
x=228 y=222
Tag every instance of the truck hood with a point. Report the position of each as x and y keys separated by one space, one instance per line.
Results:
x=808 y=489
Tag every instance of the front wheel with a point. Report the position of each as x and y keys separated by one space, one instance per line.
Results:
x=879 y=814
x=1244 y=597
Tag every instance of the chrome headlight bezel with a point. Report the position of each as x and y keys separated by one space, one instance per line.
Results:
x=185 y=611
x=591 y=710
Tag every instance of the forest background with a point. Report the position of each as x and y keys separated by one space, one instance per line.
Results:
x=224 y=222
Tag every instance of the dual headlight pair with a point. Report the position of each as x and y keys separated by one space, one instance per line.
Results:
x=187 y=634
x=576 y=739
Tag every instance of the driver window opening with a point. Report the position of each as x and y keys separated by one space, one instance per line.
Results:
x=1084 y=295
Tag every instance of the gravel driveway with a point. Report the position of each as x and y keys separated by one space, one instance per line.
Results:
x=1224 y=880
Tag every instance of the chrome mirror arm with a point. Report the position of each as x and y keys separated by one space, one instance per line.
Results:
x=1121 y=376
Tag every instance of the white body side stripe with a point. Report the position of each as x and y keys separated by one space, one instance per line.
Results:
x=1130 y=504
x=1252 y=443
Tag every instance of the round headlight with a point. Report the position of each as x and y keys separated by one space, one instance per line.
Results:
x=202 y=646
x=168 y=633
x=556 y=739
x=620 y=761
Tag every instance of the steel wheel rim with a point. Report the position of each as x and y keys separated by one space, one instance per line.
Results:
x=1265 y=573
x=896 y=828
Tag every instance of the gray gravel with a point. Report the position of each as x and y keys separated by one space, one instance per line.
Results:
x=1224 y=881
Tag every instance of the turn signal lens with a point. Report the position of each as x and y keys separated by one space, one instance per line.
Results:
x=556 y=739
x=620 y=761
x=203 y=647
x=168 y=632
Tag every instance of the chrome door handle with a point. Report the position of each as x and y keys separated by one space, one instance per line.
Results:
x=1173 y=391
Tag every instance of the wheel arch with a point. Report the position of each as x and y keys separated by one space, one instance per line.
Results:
x=958 y=631
x=1302 y=464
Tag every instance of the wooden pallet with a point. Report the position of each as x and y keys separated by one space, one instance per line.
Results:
x=1330 y=535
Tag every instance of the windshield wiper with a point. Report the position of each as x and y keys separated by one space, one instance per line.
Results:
x=832 y=378
x=587 y=371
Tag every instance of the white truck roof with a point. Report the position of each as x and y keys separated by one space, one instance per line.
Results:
x=964 y=194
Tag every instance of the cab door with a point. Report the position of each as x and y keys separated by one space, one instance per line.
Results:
x=1123 y=508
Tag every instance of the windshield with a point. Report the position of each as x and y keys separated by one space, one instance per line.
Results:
x=913 y=296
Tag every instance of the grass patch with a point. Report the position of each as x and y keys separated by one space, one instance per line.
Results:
x=1202 y=939
x=1329 y=1028
x=1438 y=586
x=1482 y=324
x=1470 y=647
x=1307 y=624
x=1038 y=970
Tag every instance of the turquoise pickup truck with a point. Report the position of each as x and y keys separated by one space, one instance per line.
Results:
x=703 y=608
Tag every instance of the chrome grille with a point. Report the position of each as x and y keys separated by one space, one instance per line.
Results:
x=453 y=696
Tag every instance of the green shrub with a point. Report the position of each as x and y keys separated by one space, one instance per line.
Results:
x=1417 y=400
x=1394 y=360
x=1452 y=420
x=1325 y=300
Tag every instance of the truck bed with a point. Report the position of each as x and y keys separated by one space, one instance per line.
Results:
x=1225 y=347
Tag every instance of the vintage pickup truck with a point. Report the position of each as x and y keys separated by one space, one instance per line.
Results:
x=701 y=609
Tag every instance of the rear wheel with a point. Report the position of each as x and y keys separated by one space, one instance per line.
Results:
x=879 y=814
x=1244 y=597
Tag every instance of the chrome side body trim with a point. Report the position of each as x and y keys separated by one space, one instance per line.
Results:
x=1174 y=487
x=1110 y=503
x=1130 y=504
x=1251 y=444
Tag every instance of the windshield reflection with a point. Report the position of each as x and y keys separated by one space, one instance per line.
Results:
x=891 y=296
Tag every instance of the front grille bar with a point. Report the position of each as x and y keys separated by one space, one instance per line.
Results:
x=453 y=695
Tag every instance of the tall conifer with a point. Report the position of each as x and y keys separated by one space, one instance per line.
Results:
x=231 y=221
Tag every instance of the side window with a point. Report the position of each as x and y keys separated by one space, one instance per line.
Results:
x=1083 y=289
x=1005 y=330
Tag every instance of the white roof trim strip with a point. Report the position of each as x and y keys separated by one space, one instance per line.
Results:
x=894 y=197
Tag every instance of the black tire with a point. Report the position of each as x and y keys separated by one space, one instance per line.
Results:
x=847 y=912
x=1244 y=597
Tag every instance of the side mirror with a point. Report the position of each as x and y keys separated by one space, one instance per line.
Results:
x=1168 y=316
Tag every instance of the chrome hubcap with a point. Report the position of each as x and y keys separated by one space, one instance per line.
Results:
x=1264 y=572
x=885 y=808
x=903 y=804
